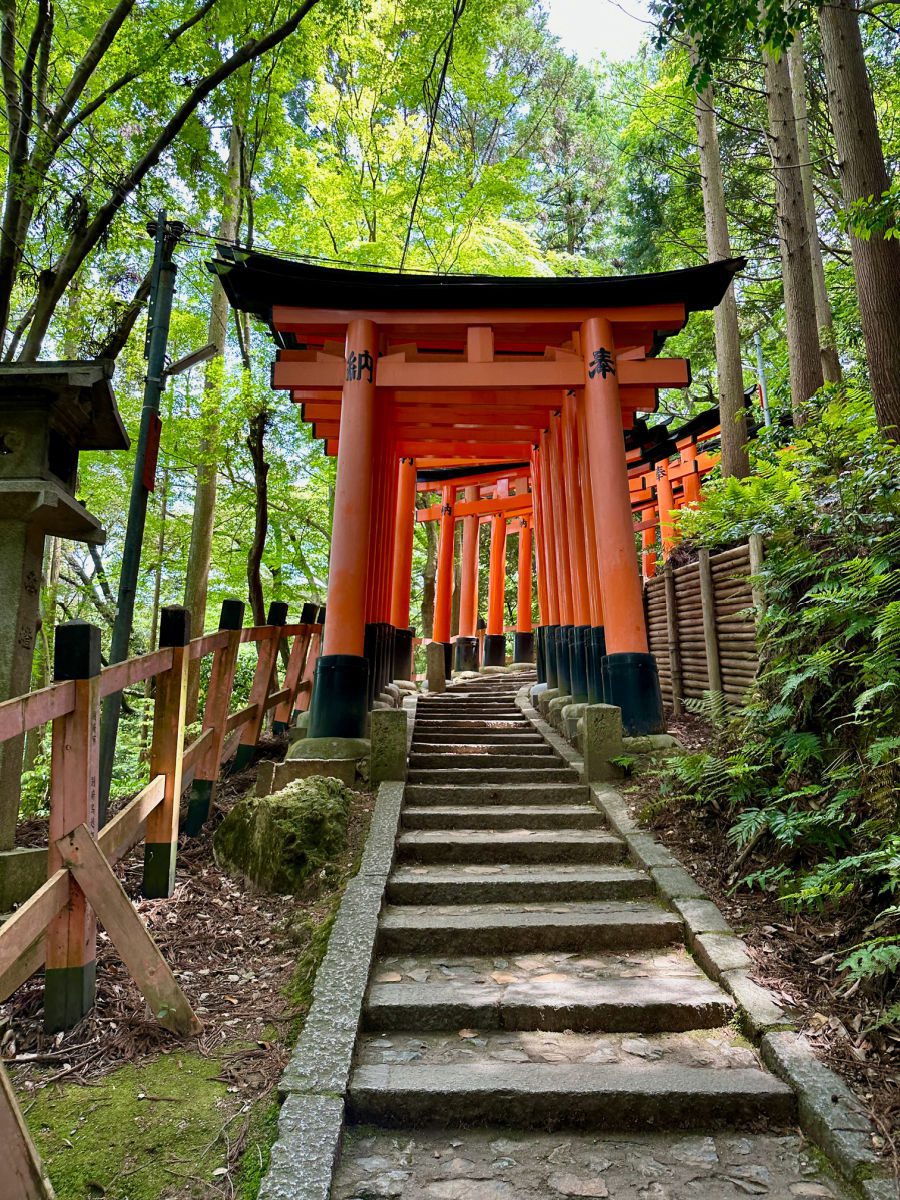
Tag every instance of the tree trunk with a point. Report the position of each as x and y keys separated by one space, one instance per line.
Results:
x=256 y=436
x=831 y=364
x=428 y=578
x=196 y=585
x=732 y=412
x=876 y=261
x=793 y=239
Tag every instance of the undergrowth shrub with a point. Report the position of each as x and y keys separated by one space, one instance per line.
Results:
x=807 y=773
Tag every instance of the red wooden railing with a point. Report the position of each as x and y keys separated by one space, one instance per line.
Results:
x=57 y=925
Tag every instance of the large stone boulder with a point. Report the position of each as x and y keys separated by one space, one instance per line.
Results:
x=276 y=842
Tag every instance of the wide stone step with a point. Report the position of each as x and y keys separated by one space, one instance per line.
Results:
x=531 y=816
x=469 y=714
x=558 y=1095
x=459 y=725
x=488 y=737
x=464 y=775
x=535 y=760
x=521 y=928
x=468 y=884
x=509 y=846
x=657 y=991
x=505 y=794
x=538 y=749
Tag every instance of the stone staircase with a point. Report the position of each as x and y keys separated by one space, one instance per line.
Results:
x=528 y=977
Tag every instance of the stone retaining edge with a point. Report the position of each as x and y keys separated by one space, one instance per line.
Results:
x=830 y=1115
x=315 y=1079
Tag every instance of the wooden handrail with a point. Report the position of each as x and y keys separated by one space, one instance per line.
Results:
x=206 y=645
x=241 y=717
x=276 y=698
x=22 y=713
x=30 y=921
x=134 y=670
x=127 y=826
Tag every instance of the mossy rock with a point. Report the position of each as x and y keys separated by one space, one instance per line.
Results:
x=278 y=841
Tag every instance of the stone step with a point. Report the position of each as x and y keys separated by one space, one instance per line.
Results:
x=534 y=760
x=466 y=775
x=565 y=1094
x=611 y=1005
x=486 y=737
x=505 y=794
x=538 y=749
x=520 y=928
x=470 y=714
x=720 y=1047
x=497 y=816
x=504 y=725
x=509 y=846
x=486 y=884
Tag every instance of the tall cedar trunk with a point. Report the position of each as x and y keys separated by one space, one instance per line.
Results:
x=831 y=364
x=793 y=238
x=428 y=578
x=732 y=413
x=256 y=444
x=196 y=586
x=876 y=262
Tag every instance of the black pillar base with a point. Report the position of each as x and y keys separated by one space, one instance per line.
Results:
x=448 y=659
x=523 y=648
x=370 y=649
x=551 y=655
x=199 y=804
x=494 y=650
x=340 y=697
x=578 y=663
x=68 y=995
x=467 y=654
x=540 y=656
x=632 y=684
x=596 y=652
x=564 y=660
x=403 y=653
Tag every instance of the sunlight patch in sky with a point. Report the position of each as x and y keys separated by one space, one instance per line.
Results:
x=590 y=28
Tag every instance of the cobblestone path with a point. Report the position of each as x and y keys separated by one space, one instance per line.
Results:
x=534 y=1026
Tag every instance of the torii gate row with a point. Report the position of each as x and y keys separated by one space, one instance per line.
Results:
x=504 y=513
x=467 y=372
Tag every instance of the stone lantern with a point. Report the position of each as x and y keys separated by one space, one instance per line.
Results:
x=49 y=411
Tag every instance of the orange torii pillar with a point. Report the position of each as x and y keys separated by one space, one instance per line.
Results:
x=648 y=549
x=690 y=483
x=467 y=642
x=566 y=434
x=401 y=576
x=339 y=705
x=495 y=638
x=523 y=645
x=542 y=593
x=557 y=523
x=665 y=502
x=630 y=676
x=443 y=596
x=597 y=644
x=550 y=633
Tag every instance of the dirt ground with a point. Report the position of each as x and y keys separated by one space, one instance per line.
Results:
x=246 y=962
x=796 y=954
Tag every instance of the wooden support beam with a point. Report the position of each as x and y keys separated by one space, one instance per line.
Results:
x=672 y=637
x=24 y=1177
x=262 y=684
x=139 y=952
x=167 y=753
x=297 y=319
x=710 y=635
x=292 y=676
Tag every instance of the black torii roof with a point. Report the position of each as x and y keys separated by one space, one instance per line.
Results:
x=256 y=282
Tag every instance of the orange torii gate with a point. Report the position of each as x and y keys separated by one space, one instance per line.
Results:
x=503 y=511
x=481 y=371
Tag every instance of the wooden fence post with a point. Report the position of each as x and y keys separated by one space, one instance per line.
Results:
x=70 y=982
x=166 y=753
x=304 y=694
x=292 y=676
x=710 y=636
x=215 y=713
x=672 y=638
x=262 y=683
x=757 y=555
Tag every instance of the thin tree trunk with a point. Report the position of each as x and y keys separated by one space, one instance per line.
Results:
x=804 y=360
x=196 y=586
x=732 y=412
x=876 y=260
x=256 y=445
x=831 y=364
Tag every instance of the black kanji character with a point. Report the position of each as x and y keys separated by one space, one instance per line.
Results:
x=601 y=363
